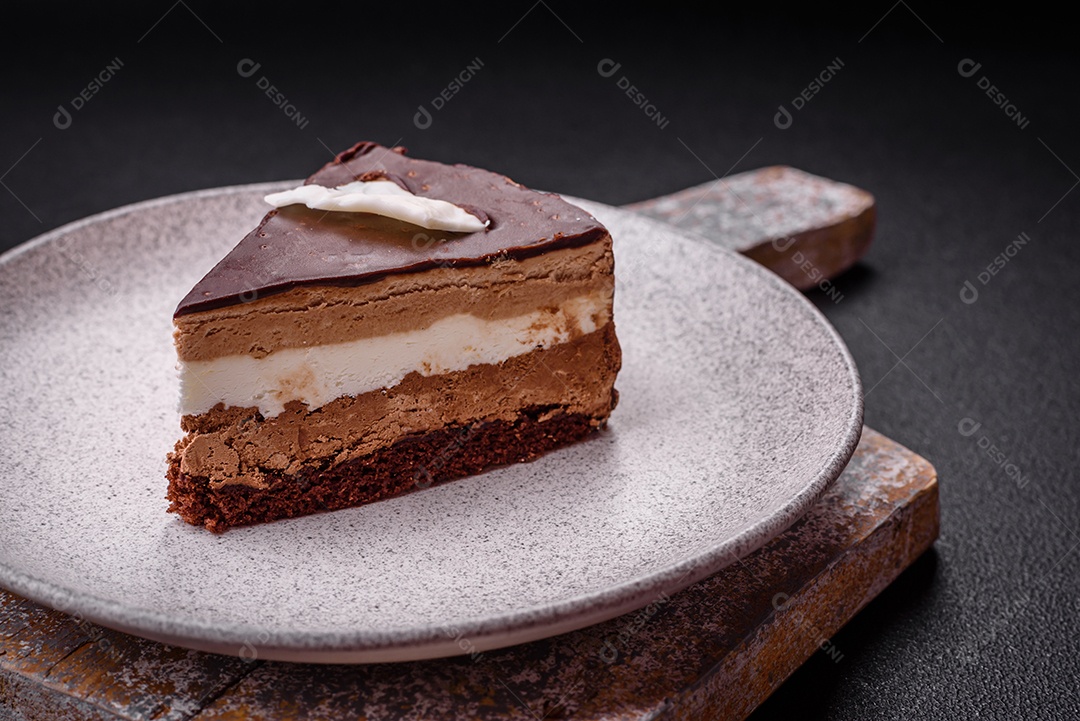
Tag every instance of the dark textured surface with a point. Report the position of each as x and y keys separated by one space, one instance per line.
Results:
x=297 y=246
x=986 y=625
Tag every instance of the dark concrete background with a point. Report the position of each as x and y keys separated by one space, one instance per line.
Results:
x=986 y=625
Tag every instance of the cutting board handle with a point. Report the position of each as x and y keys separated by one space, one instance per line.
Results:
x=804 y=228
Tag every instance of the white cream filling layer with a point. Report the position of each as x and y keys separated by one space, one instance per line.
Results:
x=382 y=197
x=319 y=374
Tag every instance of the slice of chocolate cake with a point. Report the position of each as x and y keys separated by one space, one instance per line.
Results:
x=393 y=323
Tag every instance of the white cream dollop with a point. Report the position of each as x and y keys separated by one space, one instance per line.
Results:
x=382 y=197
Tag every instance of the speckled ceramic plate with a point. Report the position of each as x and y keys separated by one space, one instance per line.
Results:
x=739 y=405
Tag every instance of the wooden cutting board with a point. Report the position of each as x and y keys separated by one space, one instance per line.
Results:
x=715 y=650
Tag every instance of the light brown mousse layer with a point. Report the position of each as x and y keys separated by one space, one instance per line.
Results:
x=317 y=315
x=236 y=446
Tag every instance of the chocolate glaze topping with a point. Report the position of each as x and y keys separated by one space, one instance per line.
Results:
x=295 y=245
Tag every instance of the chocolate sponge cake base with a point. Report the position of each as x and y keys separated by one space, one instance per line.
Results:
x=413 y=462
